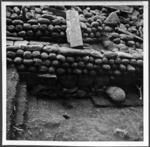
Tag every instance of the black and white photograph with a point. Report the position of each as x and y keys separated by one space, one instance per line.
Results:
x=75 y=73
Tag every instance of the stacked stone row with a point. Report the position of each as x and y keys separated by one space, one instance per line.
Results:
x=60 y=61
x=13 y=13
x=40 y=23
x=134 y=22
x=94 y=21
x=37 y=24
x=91 y=24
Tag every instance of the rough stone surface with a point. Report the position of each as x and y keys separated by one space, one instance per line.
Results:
x=100 y=101
x=18 y=43
x=132 y=99
x=116 y=94
x=9 y=42
x=38 y=43
x=74 y=35
x=21 y=98
x=12 y=81
x=112 y=19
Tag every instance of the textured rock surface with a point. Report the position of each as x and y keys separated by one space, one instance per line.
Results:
x=57 y=60
x=48 y=23
x=12 y=81
x=116 y=94
x=21 y=104
x=59 y=112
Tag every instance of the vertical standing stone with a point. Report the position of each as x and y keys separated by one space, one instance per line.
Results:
x=74 y=35
x=12 y=82
x=21 y=103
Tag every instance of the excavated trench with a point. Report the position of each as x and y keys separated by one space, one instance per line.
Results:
x=59 y=93
x=68 y=118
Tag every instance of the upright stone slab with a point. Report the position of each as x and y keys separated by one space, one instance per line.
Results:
x=21 y=98
x=12 y=82
x=74 y=35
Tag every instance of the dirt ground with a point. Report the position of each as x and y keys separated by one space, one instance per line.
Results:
x=72 y=119
x=50 y=120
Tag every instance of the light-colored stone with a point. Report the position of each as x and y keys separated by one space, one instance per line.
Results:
x=112 y=19
x=38 y=43
x=9 y=43
x=19 y=43
x=74 y=35
x=116 y=94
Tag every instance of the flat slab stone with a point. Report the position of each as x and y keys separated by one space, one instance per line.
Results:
x=18 y=43
x=47 y=76
x=130 y=34
x=9 y=43
x=15 y=38
x=122 y=8
x=132 y=99
x=21 y=98
x=38 y=43
x=74 y=35
x=58 y=12
x=100 y=101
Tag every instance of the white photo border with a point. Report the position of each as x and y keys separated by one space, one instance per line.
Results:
x=145 y=142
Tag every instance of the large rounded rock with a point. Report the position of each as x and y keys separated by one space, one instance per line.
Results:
x=116 y=94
